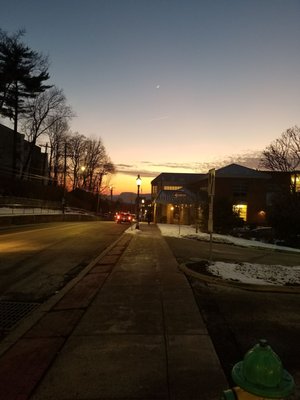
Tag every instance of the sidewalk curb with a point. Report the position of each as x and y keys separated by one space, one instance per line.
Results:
x=161 y=342
x=239 y=285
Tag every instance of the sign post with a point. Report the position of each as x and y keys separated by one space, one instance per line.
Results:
x=211 y=193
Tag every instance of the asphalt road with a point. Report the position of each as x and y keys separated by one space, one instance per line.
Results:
x=38 y=260
x=236 y=319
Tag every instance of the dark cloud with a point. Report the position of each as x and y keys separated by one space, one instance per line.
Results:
x=175 y=165
x=251 y=160
x=134 y=171
x=120 y=166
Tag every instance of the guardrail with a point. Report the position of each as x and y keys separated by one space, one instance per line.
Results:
x=20 y=209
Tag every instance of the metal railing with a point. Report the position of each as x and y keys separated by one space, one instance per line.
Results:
x=21 y=209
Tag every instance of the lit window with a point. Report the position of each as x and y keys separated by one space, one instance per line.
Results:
x=154 y=189
x=172 y=187
x=241 y=210
x=295 y=180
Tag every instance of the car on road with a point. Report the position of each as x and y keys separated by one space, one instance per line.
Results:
x=123 y=217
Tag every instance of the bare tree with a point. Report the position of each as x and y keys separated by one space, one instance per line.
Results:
x=77 y=152
x=94 y=159
x=58 y=137
x=284 y=153
x=88 y=163
x=106 y=168
x=96 y=165
x=44 y=111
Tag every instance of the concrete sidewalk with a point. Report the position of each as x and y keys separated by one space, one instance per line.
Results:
x=127 y=329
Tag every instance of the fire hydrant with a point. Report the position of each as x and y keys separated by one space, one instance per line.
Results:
x=260 y=376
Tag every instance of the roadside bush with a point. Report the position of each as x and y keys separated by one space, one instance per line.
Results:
x=225 y=219
x=284 y=217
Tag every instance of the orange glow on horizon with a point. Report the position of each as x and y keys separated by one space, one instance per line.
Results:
x=127 y=183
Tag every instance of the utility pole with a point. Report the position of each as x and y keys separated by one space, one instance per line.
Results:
x=211 y=192
x=65 y=179
x=138 y=184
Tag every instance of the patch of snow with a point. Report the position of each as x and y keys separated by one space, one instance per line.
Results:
x=188 y=232
x=132 y=230
x=258 y=274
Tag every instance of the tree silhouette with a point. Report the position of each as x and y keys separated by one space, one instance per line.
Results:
x=284 y=153
x=22 y=75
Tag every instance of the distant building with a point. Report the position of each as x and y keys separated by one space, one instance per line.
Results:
x=39 y=161
x=172 y=201
x=172 y=181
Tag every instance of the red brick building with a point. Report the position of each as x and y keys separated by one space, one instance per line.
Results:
x=249 y=191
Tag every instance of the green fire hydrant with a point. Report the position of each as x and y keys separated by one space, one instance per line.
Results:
x=260 y=376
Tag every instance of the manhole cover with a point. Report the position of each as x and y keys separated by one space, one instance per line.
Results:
x=12 y=312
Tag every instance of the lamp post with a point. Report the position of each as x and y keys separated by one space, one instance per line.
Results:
x=138 y=183
x=82 y=170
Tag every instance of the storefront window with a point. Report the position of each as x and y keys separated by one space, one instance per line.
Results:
x=295 y=181
x=241 y=210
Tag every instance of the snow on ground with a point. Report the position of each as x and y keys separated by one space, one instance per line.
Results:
x=258 y=274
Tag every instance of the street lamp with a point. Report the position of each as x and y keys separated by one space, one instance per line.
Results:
x=82 y=170
x=138 y=183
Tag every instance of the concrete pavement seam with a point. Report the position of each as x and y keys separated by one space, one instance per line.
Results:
x=165 y=336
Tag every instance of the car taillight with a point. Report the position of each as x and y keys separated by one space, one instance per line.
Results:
x=129 y=218
x=118 y=216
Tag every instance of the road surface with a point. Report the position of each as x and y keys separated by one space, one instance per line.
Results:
x=38 y=260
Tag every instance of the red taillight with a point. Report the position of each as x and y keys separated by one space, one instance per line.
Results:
x=118 y=216
x=129 y=218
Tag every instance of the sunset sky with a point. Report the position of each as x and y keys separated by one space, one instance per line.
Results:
x=170 y=85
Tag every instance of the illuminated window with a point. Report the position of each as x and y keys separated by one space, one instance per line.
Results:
x=172 y=187
x=154 y=189
x=241 y=210
x=295 y=180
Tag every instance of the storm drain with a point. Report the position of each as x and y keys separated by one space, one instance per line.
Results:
x=12 y=312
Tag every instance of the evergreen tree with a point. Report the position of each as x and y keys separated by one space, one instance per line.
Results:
x=22 y=75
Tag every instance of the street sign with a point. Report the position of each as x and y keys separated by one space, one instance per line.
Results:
x=211 y=181
x=211 y=192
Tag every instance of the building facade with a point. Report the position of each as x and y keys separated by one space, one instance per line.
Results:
x=181 y=197
x=9 y=167
x=172 y=201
